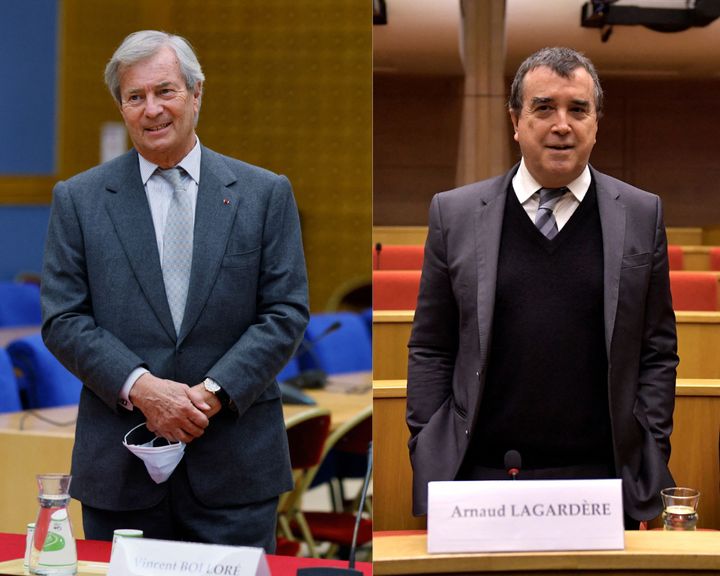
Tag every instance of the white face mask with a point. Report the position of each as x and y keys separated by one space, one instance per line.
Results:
x=160 y=461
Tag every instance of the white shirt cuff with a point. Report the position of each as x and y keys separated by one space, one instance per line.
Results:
x=124 y=398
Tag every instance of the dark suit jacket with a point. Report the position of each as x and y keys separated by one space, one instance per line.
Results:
x=453 y=324
x=105 y=313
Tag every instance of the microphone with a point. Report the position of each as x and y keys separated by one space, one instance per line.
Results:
x=513 y=463
x=378 y=249
x=314 y=377
x=350 y=570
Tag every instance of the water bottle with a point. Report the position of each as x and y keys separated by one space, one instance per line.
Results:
x=53 y=551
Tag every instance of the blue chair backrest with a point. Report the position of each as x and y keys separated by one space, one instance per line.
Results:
x=9 y=393
x=366 y=315
x=290 y=370
x=19 y=304
x=44 y=381
x=347 y=349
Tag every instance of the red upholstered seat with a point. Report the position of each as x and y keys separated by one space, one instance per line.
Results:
x=395 y=289
x=715 y=258
x=697 y=291
x=287 y=547
x=398 y=257
x=675 y=257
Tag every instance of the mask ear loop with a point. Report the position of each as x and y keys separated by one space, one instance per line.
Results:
x=125 y=440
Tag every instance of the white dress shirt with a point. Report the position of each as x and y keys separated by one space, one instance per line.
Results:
x=159 y=193
x=527 y=190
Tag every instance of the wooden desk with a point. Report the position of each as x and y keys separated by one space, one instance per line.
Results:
x=694 y=460
x=391 y=333
x=12 y=333
x=698 y=344
x=646 y=552
x=42 y=447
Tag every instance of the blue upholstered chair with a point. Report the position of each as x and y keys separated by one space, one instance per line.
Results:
x=290 y=370
x=367 y=317
x=44 y=382
x=19 y=304
x=9 y=394
x=337 y=343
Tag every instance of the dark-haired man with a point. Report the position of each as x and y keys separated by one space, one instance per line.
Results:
x=544 y=321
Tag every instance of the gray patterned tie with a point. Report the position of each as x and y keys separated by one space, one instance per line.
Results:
x=177 y=244
x=545 y=219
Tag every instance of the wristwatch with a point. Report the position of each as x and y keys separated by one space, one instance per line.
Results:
x=211 y=386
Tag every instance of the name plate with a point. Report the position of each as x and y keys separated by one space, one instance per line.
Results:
x=147 y=557
x=522 y=516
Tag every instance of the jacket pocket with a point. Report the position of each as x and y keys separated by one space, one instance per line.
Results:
x=247 y=259
x=636 y=260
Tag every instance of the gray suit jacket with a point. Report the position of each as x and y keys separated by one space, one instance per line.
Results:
x=453 y=323
x=105 y=313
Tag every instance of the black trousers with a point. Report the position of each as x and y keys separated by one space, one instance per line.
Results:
x=180 y=516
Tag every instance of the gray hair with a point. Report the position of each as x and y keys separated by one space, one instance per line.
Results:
x=562 y=61
x=145 y=43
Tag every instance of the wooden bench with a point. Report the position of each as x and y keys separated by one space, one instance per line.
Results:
x=694 y=461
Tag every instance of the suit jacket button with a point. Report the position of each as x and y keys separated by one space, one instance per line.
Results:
x=467 y=432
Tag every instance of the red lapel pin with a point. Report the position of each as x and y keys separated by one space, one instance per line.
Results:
x=226 y=202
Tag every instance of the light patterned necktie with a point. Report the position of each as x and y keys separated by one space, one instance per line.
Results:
x=177 y=244
x=545 y=218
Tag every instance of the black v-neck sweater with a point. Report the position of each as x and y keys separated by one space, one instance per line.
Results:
x=546 y=392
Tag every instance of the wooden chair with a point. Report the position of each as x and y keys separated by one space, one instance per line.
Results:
x=307 y=433
x=337 y=527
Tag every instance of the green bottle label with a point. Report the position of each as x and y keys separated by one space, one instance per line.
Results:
x=54 y=542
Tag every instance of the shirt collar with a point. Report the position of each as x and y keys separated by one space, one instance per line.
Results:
x=525 y=185
x=191 y=164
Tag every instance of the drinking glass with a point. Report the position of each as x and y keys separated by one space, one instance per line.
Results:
x=680 y=508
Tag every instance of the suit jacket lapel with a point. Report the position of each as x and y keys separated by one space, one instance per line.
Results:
x=488 y=230
x=488 y=219
x=217 y=205
x=612 y=221
x=128 y=208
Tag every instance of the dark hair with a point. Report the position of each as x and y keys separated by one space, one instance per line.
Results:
x=563 y=61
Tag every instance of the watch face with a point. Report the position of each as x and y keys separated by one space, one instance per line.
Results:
x=211 y=386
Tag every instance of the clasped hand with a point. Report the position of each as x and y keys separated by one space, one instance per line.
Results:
x=173 y=410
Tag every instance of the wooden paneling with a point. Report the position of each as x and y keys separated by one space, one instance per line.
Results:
x=289 y=88
x=639 y=140
x=698 y=344
x=694 y=461
x=392 y=475
x=391 y=333
x=416 y=135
